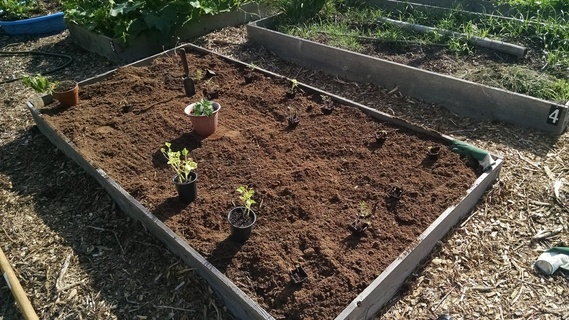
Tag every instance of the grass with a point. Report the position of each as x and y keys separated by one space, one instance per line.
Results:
x=538 y=25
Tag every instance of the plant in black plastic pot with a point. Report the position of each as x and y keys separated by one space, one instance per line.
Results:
x=241 y=218
x=186 y=178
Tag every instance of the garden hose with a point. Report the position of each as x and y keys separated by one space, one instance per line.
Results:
x=14 y=53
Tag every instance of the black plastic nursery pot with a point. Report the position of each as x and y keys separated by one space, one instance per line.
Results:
x=187 y=192
x=240 y=223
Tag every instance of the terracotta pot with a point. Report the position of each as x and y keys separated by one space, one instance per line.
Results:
x=204 y=125
x=187 y=192
x=69 y=97
x=240 y=224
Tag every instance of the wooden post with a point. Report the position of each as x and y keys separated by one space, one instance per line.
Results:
x=16 y=288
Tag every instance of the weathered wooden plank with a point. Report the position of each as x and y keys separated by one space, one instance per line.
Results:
x=236 y=301
x=384 y=287
x=460 y=96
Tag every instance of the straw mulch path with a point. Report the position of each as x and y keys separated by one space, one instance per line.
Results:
x=79 y=257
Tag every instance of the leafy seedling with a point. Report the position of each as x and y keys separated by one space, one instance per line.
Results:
x=362 y=221
x=327 y=104
x=246 y=198
x=180 y=162
x=39 y=83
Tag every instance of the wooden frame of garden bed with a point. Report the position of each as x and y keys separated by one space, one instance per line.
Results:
x=151 y=43
x=367 y=303
x=460 y=96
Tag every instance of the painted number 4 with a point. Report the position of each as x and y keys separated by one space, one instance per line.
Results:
x=554 y=115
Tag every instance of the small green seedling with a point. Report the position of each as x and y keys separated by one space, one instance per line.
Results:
x=40 y=83
x=362 y=221
x=246 y=198
x=203 y=107
x=199 y=74
x=364 y=216
x=252 y=66
x=294 y=84
x=180 y=162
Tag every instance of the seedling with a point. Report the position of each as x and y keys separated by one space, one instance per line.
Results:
x=327 y=104
x=293 y=120
x=252 y=66
x=180 y=162
x=363 y=219
x=381 y=136
x=294 y=85
x=291 y=92
x=246 y=198
x=203 y=107
x=199 y=74
x=433 y=152
x=40 y=83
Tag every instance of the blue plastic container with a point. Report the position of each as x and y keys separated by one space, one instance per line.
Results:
x=50 y=23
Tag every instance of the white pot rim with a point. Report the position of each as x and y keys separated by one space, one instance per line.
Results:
x=189 y=108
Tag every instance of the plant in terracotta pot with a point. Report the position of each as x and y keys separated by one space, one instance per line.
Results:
x=66 y=92
x=185 y=178
x=203 y=115
x=241 y=218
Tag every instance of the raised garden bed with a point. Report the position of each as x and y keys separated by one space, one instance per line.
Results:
x=422 y=78
x=152 y=42
x=310 y=180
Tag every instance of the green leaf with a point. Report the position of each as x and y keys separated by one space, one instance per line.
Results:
x=164 y=20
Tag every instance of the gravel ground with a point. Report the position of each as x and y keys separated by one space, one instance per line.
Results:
x=79 y=257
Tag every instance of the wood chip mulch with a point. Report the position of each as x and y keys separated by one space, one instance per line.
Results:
x=79 y=257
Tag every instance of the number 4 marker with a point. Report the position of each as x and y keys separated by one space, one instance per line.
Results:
x=554 y=115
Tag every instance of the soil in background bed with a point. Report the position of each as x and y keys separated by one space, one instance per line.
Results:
x=309 y=181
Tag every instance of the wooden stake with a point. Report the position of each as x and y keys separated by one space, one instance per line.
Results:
x=17 y=290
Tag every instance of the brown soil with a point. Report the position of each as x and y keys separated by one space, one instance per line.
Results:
x=309 y=180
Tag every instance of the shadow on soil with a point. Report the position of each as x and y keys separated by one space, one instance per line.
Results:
x=117 y=256
x=223 y=253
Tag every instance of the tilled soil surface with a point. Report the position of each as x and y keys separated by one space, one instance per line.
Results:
x=309 y=180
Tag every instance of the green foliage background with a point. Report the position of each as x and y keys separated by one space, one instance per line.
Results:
x=126 y=19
